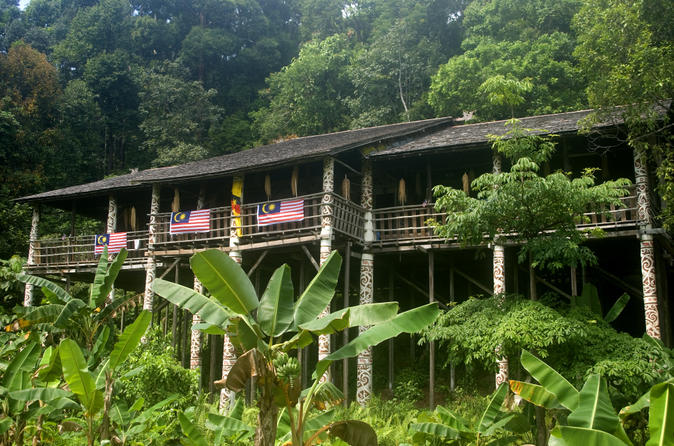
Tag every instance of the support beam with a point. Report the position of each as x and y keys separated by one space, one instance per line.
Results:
x=195 y=335
x=473 y=281
x=326 y=243
x=28 y=291
x=310 y=257
x=431 y=345
x=257 y=263
x=364 y=361
x=345 y=333
x=151 y=265
x=228 y=352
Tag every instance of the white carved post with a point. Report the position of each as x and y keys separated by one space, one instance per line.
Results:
x=648 y=276
x=228 y=352
x=498 y=266
x=151 y=265
x=326 y=242
x=111 y=227
x=364 y=365
x=28 y=291
x=195 y=340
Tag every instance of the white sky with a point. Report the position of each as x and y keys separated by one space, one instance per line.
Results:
x=23 y=4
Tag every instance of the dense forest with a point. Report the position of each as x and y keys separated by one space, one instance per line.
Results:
x=94 y=88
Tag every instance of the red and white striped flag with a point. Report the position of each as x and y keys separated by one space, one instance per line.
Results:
x=190 y=221
x=114 y=241
x=280 y=212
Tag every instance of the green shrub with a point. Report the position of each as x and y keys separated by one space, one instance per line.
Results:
x=409 y=385
x=153 y=373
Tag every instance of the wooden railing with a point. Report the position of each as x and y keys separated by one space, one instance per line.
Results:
x=407 y=224
x=79 y=250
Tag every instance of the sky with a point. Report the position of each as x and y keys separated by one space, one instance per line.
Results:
x=23 y=4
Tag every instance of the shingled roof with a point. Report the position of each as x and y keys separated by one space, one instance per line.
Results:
x=471 y=134
x=285 y=152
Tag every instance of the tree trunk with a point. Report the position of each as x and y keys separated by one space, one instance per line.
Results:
x=541 y=428
x=532 y=280
x=265 y=434
x=107 y=402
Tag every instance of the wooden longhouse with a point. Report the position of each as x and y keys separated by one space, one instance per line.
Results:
x=367 y=193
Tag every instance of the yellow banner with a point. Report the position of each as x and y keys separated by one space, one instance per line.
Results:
x=237 y=190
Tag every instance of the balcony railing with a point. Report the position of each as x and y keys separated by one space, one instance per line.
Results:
x=78 y=251
x=393 y=226
x=407 y=224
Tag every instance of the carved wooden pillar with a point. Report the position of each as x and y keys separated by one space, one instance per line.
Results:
x=151 y=265
x=228 y=352
x=28 y=291
x=110 y=227
x=364 y=365
x=498 y=267
x=646 y=249
x=195 y=340
x=326 y=242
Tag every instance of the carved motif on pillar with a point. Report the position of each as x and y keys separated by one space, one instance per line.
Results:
x=649 y=287
x=502 y=375
x=327 y=208
x=641 y=180
x=151 y=265
x=364 y=365
x=28 y=291
x=499 y=269
x=228 y=361
x=195 y=340
x=111 y=226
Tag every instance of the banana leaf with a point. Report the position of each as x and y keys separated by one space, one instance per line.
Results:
x=661 y=415
x=354 y=433
x=44 y=283
x=359 y=315
x=551 y=380
x=275 y=314
x=408 y=322
x=129 y=339
x=68 y=310
x=575 y=436
x=436 y=429
x=493 y=410
x=319 y=292
x=617 y=308
x=79 y=379
x=23 y=362
x=226 y=280
x=535 y=394
x=101 y=287
x=40 y=393
x=194 y=436
x=188 y=299
x=43 y=313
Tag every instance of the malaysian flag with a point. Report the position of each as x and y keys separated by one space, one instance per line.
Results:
x=190 y=221
x=280 y=212
x=114 y=241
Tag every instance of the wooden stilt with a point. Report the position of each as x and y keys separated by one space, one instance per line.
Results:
x=452 y=297
x=574 y=282
x=391 y=344
x=431 y=345
x=345 y=333
x=212 y=364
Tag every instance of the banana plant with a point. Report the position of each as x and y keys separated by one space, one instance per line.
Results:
x=225 y=429
x=94 y=390
x=82 y=321
x=589 y=298
x=132 y=421
x=454 y=427
x=266 y=330
x=591 y=418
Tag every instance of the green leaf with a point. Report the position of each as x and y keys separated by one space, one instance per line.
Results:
x=209 y=329
x=192 y=433
x=225 y=279
x=408 y=322
x=44 y=313
x=99 y=278
x=359 y=316
x=643 y=402
x=275 y=314
x=149 y=412
x=436 y=429
x=71 y=307
x=129 y=339
x=551 y=380
x=109 y=278
x=23 y=362
x=44 y=283
x=661 y=415
x=320 y=290
x=493 y=410
x=617 y=308
x=354 y=433
x=595 y=411
x=329 y=324
x=589 y=297
x=111 y=307
x=99 y=345
x=186 y=298
x=573 y=436
x=40 y=393
x=5 y=424
x=227 y=426
x=535 y=394
x=452 y=420
x=79 y=379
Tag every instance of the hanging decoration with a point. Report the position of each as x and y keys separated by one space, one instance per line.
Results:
x=402 y=192
x=346 y=187
x=175 y=204
x=267 y=186
x=294 y=179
